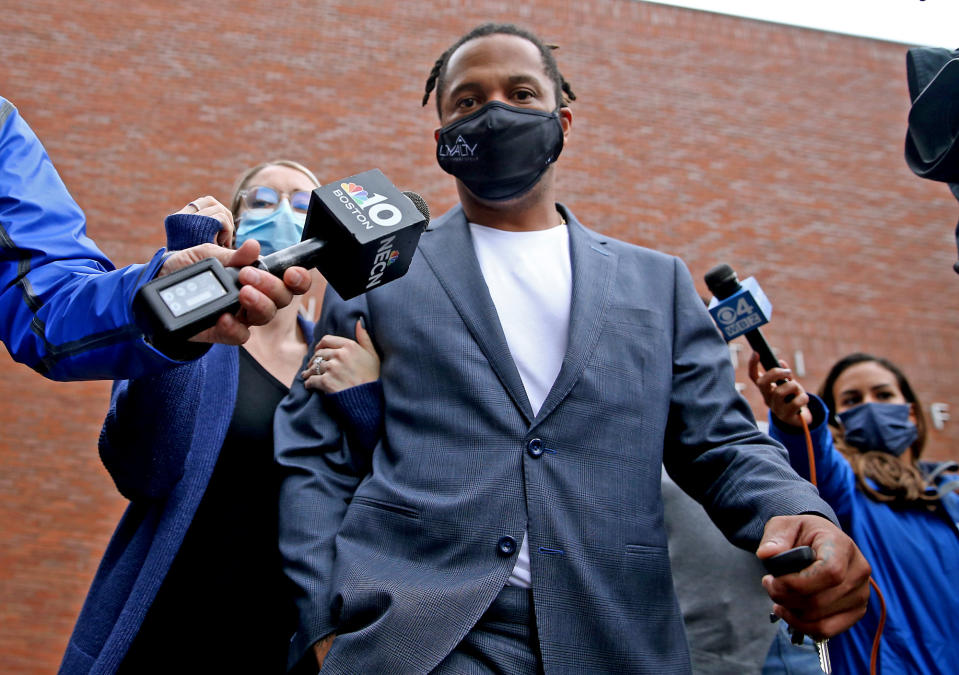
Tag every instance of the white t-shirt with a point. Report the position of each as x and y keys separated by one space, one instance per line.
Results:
x=529 y=277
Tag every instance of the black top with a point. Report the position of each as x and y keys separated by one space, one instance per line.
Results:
x=224 y=606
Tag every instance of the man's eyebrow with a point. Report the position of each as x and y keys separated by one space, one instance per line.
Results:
x=523 y=78
x=512 y=80
x=463 y=86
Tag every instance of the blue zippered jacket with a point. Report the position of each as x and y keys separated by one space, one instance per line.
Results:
x=914 y=553
x=65 y=311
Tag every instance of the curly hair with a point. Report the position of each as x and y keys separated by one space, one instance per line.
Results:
x=899 y=483
x=437 y=78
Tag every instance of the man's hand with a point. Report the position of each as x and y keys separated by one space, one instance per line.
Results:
x=321 y=648
x=261 y=295
x=831 y=594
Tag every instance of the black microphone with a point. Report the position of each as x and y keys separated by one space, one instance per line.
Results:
x=722 y=282
x=360 y=233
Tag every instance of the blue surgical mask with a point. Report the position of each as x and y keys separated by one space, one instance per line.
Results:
x=274 y=229
x=884 y=427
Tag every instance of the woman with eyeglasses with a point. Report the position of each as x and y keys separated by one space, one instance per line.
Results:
x=192 y=580
x=868 y=433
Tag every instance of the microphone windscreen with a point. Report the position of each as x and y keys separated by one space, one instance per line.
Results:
x=721 y=281
x=419 y=203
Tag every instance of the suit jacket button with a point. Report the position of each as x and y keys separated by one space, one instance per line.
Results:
x=506 y=546
x=535 y=448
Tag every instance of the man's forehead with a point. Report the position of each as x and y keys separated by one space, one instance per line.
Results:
x=497 y=50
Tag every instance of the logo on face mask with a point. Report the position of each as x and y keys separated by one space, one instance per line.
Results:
x=459 y=149
x=519 y=145
x=378 y=211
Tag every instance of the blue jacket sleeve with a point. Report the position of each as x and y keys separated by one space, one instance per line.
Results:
x=67 y=313
x=318 y=477
x=149 y=428
x=834 y=477
x=360 y=411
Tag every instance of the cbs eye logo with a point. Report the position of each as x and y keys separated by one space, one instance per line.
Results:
x=727 y=315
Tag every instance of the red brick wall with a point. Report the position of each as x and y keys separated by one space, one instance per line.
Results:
x=777 y=150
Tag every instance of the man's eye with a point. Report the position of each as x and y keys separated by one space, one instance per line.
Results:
x=523 y=95
x=466 y=102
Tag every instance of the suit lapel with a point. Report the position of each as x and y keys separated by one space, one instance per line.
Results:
x=593 y=271
x=448 y=249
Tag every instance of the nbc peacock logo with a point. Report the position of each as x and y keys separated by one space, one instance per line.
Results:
x=356 y=192
x=357 y=200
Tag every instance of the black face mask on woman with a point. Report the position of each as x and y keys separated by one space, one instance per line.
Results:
x=500 y=152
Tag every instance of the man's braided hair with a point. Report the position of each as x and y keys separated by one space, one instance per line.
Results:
x=437 y=78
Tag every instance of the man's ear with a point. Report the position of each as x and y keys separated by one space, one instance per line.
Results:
x=566 y=120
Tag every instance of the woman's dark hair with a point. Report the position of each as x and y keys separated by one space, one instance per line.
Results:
x=898 y=482
x=437 y=78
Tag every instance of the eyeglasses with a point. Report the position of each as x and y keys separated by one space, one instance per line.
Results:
x=262 y=198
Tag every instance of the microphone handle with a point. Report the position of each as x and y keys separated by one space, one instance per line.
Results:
x=761 y=347
x=303 y=254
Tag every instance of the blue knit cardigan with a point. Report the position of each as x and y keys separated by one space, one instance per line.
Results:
x=160 y=442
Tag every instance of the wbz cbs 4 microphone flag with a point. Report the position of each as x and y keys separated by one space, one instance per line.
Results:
x=745 y=310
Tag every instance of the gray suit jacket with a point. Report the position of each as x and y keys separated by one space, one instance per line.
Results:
x=400 y=552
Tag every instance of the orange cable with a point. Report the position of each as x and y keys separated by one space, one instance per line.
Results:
x=874 y=655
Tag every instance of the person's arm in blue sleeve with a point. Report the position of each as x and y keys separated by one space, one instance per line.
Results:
x=346 y=373
x=67 y=312
x=150 y=425
x=360 y=411
x=787 y=400
x=319 y=474
x=149 y=429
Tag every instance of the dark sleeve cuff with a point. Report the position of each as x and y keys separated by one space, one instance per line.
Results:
x=184 y=230
x=816 y=407
x=360 y=410
x=361 y=407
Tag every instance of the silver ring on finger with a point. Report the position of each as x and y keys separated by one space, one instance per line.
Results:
x=193 y=204
x=316 y=364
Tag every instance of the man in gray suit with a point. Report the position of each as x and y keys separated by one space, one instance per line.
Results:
x=535 y=375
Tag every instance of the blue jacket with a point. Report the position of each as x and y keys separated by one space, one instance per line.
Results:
x=914 y=555
x=160 y=442
x=64 y=310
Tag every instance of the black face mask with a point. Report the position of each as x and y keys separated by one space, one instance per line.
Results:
x=500 y=152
